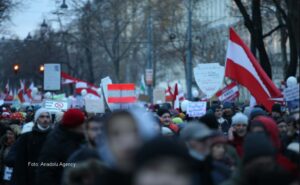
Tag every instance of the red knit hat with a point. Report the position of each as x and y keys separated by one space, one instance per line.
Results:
x=72 y=118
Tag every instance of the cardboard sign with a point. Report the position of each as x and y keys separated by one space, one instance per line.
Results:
x=94 y=106
x=159 y=96
x=52 y=77
x=7 y=173
x=209 y=78
x=56 y=105
x=196 y=109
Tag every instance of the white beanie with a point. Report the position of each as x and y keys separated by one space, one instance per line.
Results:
x=294 y=147
x=39 y=112
x=239 y=118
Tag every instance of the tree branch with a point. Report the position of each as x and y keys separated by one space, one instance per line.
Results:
x=273 y=30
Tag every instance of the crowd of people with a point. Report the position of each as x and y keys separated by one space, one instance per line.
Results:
x=153 y=145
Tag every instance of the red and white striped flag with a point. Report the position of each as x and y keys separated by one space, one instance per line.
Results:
x=22 y=91
x=121 y=93
x=242 y=67
x=229 y=93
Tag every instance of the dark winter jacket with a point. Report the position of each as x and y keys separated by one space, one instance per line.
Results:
x=28 y=148
x=60 y=144
x=273 y=133
x=211 y=173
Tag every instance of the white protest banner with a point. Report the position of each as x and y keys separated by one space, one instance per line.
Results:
x=7 y=173
x=94 y=105
x=159 y=96
x=209 y=77
x=196 y=109
x=56 y=105
x=52 y=77
x=291 y=93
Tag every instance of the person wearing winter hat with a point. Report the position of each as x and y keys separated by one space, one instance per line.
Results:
x=65 y=138
x=259 y=165
x=238 y=131
x=166 y=121
x=276 y=111
x=28 y=148
x=257 y=111
x=197 y=138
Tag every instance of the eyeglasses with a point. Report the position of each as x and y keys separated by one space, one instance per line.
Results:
x=43 y=116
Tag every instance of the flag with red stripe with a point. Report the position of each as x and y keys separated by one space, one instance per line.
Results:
x=121 y=93
x=242 y=67
x=229 y=93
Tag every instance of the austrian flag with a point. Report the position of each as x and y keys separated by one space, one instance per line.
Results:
x=242 y=67
x=121 y=93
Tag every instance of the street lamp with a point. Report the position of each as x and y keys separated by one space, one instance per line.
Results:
x=16 y=68
x=44 y=26
x=64 y=5
x=42 y=68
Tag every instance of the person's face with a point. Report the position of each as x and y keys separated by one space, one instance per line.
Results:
x=163 y=172
x=218 y=113
x=218 y=151
x=123 y=140
x=93 y=130
x=10 y=137
x=44 y=120
x=166 y=119
x=201 y=146
x=227 y=112
x=282 y=127
x=290 y=129
x=240 y=129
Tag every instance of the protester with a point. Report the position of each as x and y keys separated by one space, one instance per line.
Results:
x=6 y=143
x=124 y=132
x=238 y=131
x=224 y=125
x=65 y=139
x=276 y=111
x=28 y=148
x=164 y=161
x=228 y=111
x=268 y=126
x=197 y=139
x=166 y=120
x=259 y=166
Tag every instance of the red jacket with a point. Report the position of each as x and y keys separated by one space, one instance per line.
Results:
x=237 y=143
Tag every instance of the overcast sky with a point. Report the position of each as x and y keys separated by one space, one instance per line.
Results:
x=29 y=16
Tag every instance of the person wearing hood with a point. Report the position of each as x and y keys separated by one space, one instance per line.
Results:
x=124 y=132
x=197 y=138
x=259 y=166
x=64 y=139
x=28 y=148
x=268 y=126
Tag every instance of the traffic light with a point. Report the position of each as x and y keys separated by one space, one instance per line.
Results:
x=16 y=68
x=42 y=68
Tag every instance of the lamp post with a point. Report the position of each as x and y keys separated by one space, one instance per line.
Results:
x=150 y=51
x=64 y=5
x=189 y=63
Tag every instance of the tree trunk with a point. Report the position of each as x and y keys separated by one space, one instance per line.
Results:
x=258 y=38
